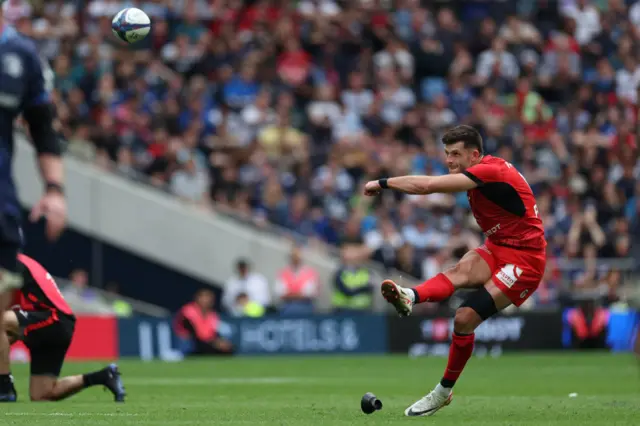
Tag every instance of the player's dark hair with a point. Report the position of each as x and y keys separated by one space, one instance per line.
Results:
x=466 y=134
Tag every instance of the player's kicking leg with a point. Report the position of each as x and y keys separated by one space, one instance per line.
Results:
x=48 y=347
x=502 y=282
x=472 y=271
x=480 y=305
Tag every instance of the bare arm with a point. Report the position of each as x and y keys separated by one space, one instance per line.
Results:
x=457 y=182
x=51 y=168
x=575 y=230
x=595 y=231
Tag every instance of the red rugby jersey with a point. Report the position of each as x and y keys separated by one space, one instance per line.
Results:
x=504 y=206
x=40 y=291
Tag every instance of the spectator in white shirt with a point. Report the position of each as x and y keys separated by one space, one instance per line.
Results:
x=313 y=8
x=587 y=20
x=257 y=116
x=634 y=14
x=325 y=110
x=253 y=284
x=497 y=62
x=395 y=55
x=104 y=8
x=397 y=99
x=190 y=184
x=357 y=98
x=628 y=81
x=423 y=237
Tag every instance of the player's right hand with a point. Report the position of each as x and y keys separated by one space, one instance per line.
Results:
x=53 y=207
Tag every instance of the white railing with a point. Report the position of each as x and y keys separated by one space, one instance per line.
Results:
x=103 y=305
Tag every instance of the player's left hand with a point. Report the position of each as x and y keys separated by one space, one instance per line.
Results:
x=53 y=207
x=372 y=188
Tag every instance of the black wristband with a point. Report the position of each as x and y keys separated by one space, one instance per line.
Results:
x=383 y=183
x=54 y=187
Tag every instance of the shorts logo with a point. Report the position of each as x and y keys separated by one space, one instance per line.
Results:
x=509 y=274
x=524 y=294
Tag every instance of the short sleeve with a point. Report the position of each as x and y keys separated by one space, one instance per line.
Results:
x=483 y=173
x=37 y=93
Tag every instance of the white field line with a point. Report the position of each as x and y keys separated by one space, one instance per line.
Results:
x=200 y=381
x=74 y=414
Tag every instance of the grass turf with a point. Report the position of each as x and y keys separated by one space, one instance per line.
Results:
x=511 y=390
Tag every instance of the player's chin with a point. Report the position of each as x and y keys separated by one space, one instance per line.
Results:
x=455 y=170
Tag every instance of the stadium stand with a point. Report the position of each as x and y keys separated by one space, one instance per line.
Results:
x=276 y=112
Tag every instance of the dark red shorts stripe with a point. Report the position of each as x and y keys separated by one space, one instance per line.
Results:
x=42 y=324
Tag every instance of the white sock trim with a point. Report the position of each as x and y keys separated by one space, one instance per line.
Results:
x=412 y=296
x=442 y=391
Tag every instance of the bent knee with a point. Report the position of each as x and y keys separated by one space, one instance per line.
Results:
x=459 y=273
x=466 y=320
x=471 y=271
x=41 y=397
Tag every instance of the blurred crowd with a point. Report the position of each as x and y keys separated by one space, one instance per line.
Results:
x=278 y=111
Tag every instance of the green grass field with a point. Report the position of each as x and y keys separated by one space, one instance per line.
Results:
x=511 y=390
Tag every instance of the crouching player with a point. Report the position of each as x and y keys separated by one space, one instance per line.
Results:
x=45 y=323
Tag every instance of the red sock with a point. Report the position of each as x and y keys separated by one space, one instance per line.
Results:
x=434 y=290
x=459 y=353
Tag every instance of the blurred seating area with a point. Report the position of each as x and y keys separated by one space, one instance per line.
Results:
x=277 y=111
x=85 y=299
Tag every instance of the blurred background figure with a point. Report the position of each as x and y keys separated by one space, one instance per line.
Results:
x=244 y=307
x=120 y=306
x=197 y=327
x=253 y=284
x=353 y=286
x=296 y=286
x=81 y=297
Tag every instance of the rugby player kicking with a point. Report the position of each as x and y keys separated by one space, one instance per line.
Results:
x=45 y=323
x=505 y=270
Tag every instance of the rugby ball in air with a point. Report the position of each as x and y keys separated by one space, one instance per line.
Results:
x=131 y=25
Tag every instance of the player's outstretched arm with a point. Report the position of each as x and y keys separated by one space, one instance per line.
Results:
x=422 y=184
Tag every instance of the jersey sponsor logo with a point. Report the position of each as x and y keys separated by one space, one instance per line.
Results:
x=12 y=65
x=492 y=230
x=9 y=101
x=509 y=274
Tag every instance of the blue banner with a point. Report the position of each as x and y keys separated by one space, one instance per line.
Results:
x=153 y=338
x=310 y=334
x=148 y=338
